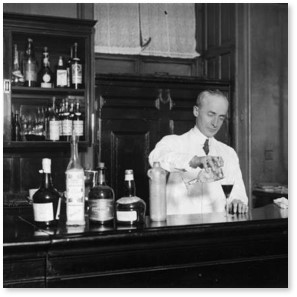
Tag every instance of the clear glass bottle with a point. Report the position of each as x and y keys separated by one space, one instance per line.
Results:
x=16 y=128
x=30 y=65
x=61 y=74
x=46 y=76
x=75 y=188
x=17 y=76
x=54 y=124
x=76 y=69
x=130 y=209
x=101 y=200
x=47 y=200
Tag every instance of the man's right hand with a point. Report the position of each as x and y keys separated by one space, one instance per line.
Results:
x=206 y=162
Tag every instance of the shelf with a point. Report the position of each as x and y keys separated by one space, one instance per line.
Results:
x=49 y=91
x=37 y=145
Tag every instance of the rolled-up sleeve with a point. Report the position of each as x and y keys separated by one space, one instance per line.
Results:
x=169 y=152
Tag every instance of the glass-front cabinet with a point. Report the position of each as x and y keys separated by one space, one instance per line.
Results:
x=48 y=91
x=48 y=73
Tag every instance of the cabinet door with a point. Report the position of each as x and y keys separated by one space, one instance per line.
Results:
x=126 y=144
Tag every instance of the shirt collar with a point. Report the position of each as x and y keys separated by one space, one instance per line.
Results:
x=200 y=136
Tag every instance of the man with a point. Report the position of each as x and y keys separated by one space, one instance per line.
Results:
x=186 y=155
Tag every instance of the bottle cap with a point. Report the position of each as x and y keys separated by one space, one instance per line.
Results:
x=101 y=165
x=46 y=165
x=129 y=174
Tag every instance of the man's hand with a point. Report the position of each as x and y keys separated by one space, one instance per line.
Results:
x=206 y=162
x=237 y=206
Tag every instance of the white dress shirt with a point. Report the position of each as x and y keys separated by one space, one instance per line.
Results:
x=174 y=153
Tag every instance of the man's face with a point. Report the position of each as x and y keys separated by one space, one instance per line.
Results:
x=211 y=114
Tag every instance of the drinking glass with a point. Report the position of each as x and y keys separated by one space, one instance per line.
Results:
x=227 y=186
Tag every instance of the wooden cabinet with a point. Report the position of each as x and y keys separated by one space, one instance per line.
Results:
x=58 y=34
x=135 y=112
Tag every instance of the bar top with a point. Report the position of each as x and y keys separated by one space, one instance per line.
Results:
x=20 y=229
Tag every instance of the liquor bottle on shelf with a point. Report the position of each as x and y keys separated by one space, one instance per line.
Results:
x=16 y=128
x=61 y=74
x=76 y=70
x=68 y=68
x=67 y=123
x=47 y=200
x=61 y=117
x=101 y=200
x=54 y=124
x=130 y=209
x=75 y=188
x=17 y=76
x=71 y=110
x=30 y=65
x=78 y=122
x=46 y=76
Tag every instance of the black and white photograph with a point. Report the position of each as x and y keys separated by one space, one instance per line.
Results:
x=145 y=145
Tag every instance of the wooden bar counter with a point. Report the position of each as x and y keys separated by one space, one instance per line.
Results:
x=209 y=250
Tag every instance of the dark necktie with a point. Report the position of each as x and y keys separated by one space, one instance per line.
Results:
x=206 y=147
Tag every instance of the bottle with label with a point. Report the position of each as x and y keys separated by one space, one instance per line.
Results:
x=30 y=65
x=54 y=124
x=66 y=123
x=101 y=200
x=61 y=117
x=157 y=181
x=17 y=76
x=76 y=70
x=75 y=188
x=16 y=128
x=130 y=209
x=47 y=200
x=61 y=74
x=78 y=123
x=46 y=76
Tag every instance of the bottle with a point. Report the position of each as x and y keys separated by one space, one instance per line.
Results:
x=76 y=70
x=61 y=117
x=54 y=124
x=16 y=128
x=68 y=68
x=101 y=200
x=45 y=74
x=30 y=65
x=78 y=123
x=61 y=74
x=47 y=200
x=157 y=181
x=67 y=123
x=75 y=188
x=17 y=76
x=130 y=209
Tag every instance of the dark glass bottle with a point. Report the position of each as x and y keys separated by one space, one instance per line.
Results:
x=46 y=76
x=130 y=209
x=61 y=74
x=68 y=67
x=76 y=70
x=30 y=65
x=78 y=122
x=101 y=200
x=47 y=200
x=67 y=122
x=16 y=128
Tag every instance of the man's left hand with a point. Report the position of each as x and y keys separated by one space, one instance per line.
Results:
x=237 y=206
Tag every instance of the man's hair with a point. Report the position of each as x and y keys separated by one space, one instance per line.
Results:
x=205 y=93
